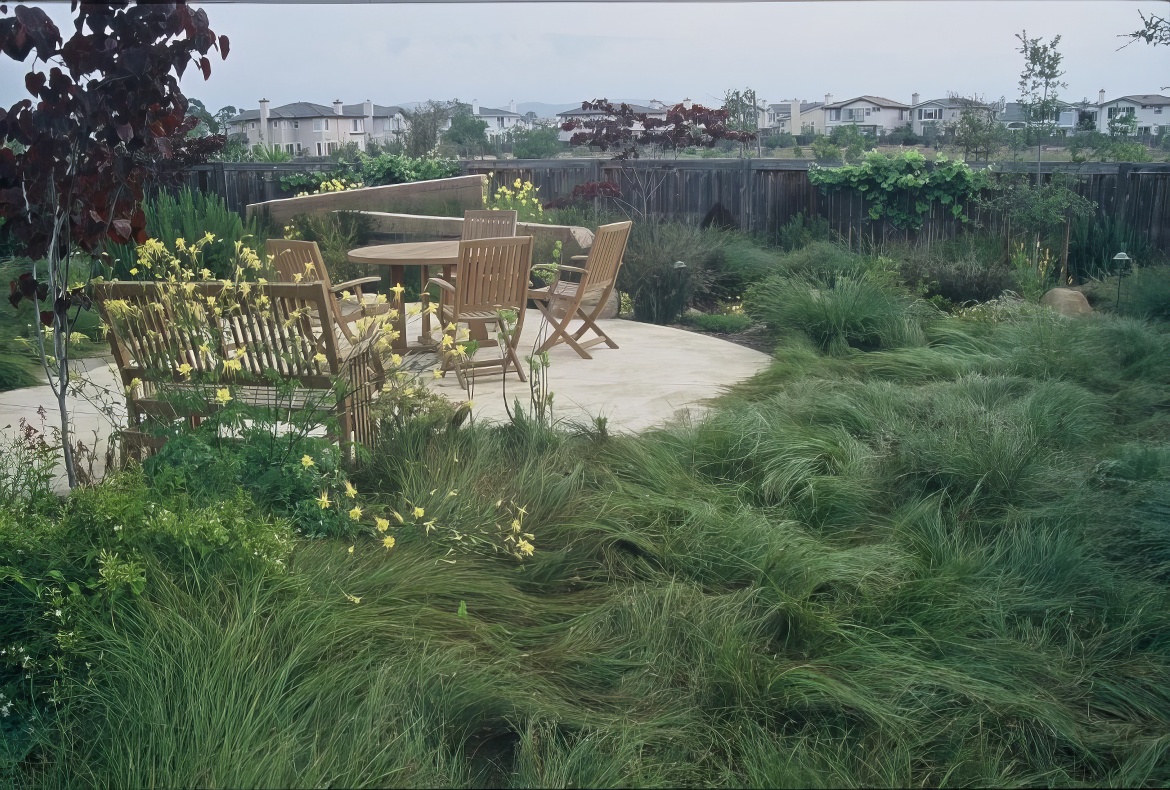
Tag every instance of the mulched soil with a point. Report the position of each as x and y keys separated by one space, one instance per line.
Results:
x=754 y=337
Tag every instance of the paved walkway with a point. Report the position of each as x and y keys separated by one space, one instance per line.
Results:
x=658 y=374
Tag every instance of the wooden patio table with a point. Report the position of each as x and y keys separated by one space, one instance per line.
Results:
x=412 y=253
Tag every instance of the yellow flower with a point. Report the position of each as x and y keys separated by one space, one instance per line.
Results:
x=517 y=183
x=184 y=370
x=382 y=524
x=320 y=358
x=419 y=512
x=432 y=308
x=350 y=491
x=355 y=514
x=323 y=500
x=395 y=359
x=231 y=365
x=205 y=273
x=133 y=271
x=398 y=289
x=398 y=517
x=297 y=277
x=352 y=598
x=388 y=542
x=351 y=549
x=306 y=461
x=448 y=341
x=525 y=547
x=437 y=373
x=223 y=395
x=461 y=349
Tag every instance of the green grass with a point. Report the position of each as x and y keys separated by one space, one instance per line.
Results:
x=19 y=364
x=942 y=561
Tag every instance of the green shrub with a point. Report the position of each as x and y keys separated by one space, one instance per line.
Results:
x=722 y=323
x=969 y=269
x=736 y=262
x=846 y=311
x=190 y=215
x=665 y=263
x=800 y=232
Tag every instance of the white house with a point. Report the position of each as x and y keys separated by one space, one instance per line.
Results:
x=870 y=114
x=1013 y=115
x=655 y=109
x=1150 y=110
x=498 y=121
x=810 y=117
x=307 y=129
x=941 y=113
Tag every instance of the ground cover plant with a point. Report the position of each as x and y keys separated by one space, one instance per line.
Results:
x=937 y=555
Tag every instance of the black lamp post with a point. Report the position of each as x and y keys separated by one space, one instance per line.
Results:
x=1121 y=259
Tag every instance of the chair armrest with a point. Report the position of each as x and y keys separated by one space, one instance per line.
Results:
x=351 y=284
x=564 y=268
x=446 y=286
x=579 y=258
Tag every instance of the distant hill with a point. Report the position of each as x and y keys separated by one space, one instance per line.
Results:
x=542 y=109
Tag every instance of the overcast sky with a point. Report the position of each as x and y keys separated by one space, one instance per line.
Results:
x=567 y=52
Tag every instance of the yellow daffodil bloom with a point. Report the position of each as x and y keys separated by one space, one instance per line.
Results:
x=525 y=547
x=323 y=500
x=388 y=542
x=382 y=524
x=320 y=358
x=184 y=370
x=355 y=514
x=419 y=512
x=350 y=491
x=223 y=395
x=351 y=549
x=307 y=461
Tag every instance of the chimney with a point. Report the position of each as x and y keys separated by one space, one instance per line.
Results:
x=512 y=106
x=475 y=106
x=1101 y=96
x=687 y=104
x=913 y=99
x=337 y=106
x=263 y=120
x=828 y=98
x=794 y=126
x=368 y=111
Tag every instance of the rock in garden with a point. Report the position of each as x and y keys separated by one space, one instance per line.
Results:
x=1066 y=302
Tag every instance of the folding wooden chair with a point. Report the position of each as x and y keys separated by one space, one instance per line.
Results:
x=488 y=224
x=493 y=276
x=300 y=261
x=564 y=298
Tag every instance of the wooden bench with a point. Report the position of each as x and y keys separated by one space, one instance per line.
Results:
x=171 y=342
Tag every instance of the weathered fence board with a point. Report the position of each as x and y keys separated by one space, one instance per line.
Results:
x=762 y=195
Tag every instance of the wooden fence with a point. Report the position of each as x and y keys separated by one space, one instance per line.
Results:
x=242 y=183
x=762 y=195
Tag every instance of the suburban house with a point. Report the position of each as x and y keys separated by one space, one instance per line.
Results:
x=872 y=115
x=307 y=129
x=941 y=113
x=655 y=109
x=1149 y=109
x=810 y=118
x=384 y=124
x=498 y=121
x=1014 y=116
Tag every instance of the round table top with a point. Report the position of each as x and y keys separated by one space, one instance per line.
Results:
x=411 y=253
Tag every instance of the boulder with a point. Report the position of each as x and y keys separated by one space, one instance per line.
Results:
x=1066 y=301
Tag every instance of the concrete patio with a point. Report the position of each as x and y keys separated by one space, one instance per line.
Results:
x=657 y=375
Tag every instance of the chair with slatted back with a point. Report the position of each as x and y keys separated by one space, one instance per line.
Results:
x=561 y=301
x=177 y=344
x=493 y=277
x=297 y=261
x=488 y=224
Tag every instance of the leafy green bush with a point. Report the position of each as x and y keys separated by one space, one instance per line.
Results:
x=398 y=169
x=736 y=262
x=968 y=269
x=800 y=232
x=837 y=314
x=190 y=215
x=665 y=263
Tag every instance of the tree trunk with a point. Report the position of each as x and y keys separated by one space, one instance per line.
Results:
x=61 y=351
x=1064 y=256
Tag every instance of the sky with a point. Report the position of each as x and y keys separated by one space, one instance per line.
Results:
x=564 y=53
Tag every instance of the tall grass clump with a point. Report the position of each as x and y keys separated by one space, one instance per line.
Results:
x=837 y=314
x=189 y=215
x=664 y=265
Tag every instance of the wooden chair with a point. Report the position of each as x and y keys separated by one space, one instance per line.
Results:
x=493 y=276
x=561 y=300
x=488 y=224
x=300 y=261
x=277 y=333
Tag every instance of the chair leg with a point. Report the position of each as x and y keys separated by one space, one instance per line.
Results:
x=559 y=333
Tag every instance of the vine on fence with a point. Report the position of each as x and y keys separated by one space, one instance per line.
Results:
x=902 y=188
